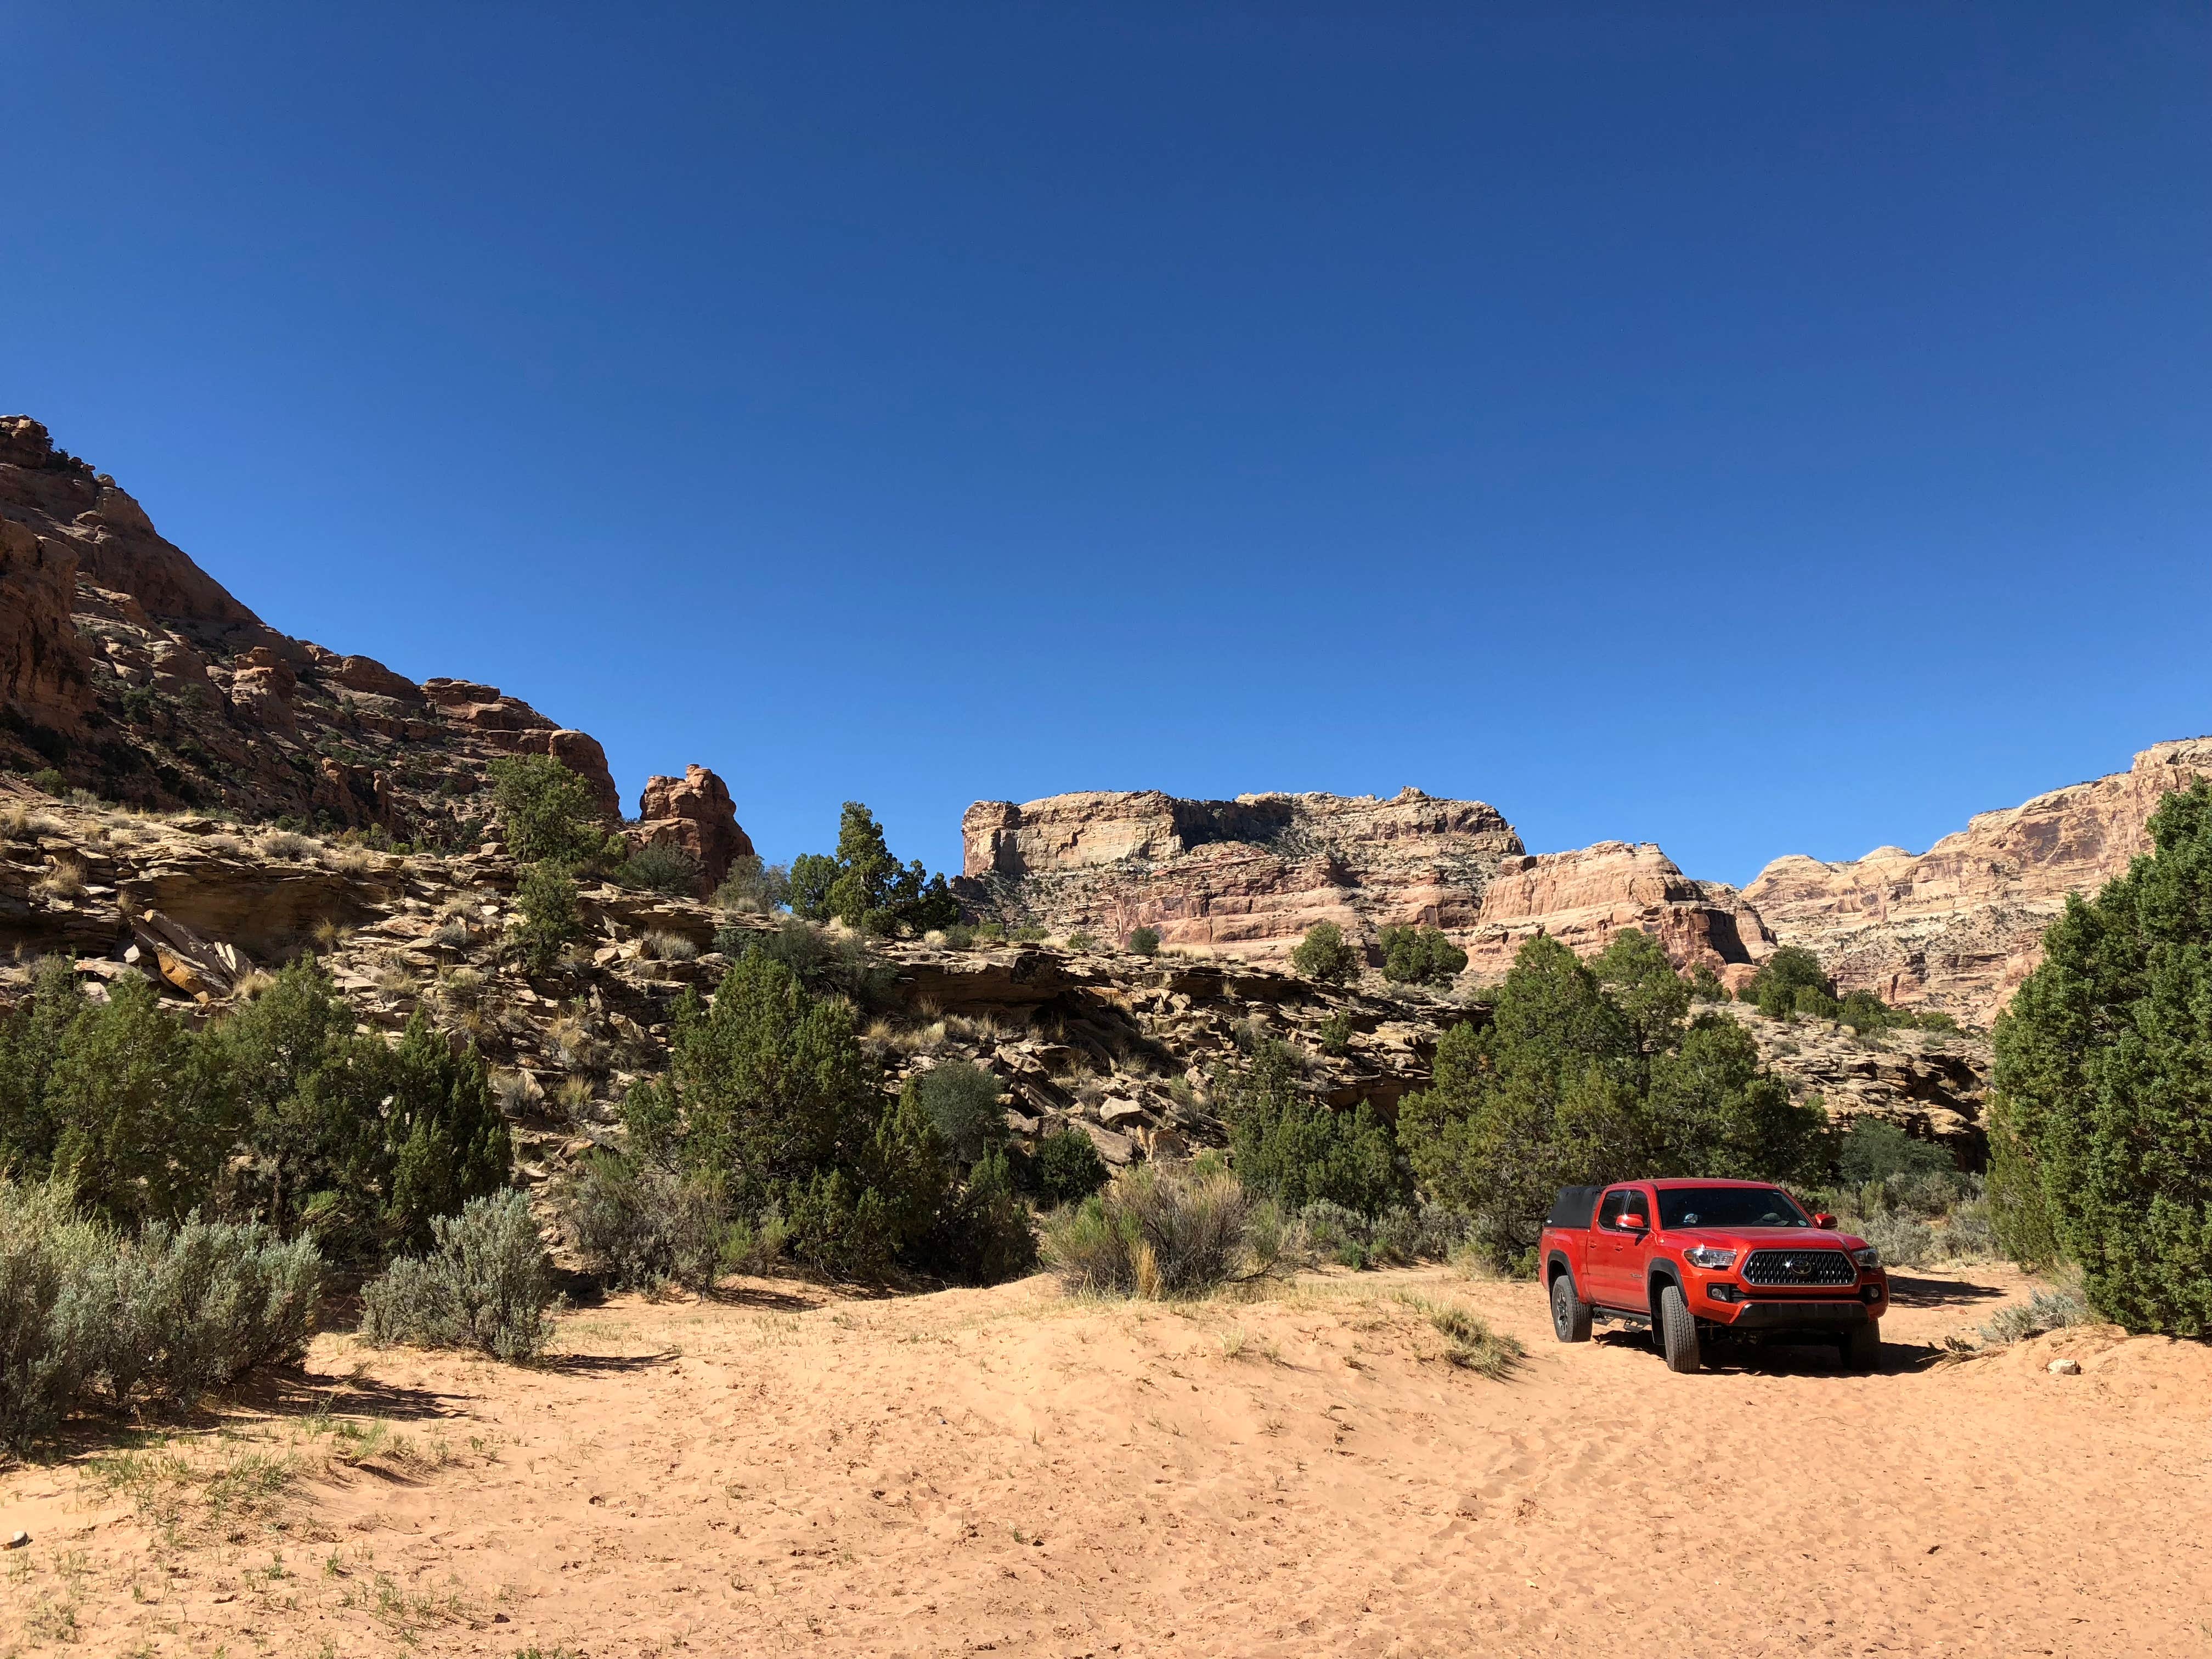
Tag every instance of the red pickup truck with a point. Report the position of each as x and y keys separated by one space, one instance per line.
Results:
x=1700 y=1259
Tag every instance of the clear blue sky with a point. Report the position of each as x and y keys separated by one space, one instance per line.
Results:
x=1757 y=428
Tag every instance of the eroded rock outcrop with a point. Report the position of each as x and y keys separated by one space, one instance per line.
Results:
x=1959 y=926
x=137 y=676
x=696 y=813
x=1582 y=898
x=1244 y=877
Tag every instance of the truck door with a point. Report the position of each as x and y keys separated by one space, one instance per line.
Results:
x=1616 y=1254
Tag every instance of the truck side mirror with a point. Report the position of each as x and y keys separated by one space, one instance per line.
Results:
x=1633 y=1222
x=1822 y=1219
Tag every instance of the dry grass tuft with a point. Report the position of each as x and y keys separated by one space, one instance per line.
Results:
x=64 y=880
x=1473 y=1344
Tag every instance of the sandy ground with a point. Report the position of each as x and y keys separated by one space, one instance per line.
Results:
x=1005 y=1471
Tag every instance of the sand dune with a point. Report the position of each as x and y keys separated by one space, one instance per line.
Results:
x=1005 y=1471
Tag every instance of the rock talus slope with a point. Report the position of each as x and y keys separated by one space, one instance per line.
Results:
x=1959 y=926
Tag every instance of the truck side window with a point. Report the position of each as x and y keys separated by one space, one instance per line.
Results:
x=1615 y=1205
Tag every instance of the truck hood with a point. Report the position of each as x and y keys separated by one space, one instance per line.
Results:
x=1764 y=1238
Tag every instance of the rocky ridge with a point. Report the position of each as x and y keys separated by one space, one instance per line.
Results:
x=133 y=674
x=1957 y=928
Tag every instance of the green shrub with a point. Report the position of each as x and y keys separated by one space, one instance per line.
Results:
x=962 y=1101
x=823 y=962
x=1156 y=1231
x=486 y=1286
x=2101 y=1120
x=1705 y=985
x=1067 y=1168
x=753 y=887
x=48 y=782
x=1873 y=1150
x=546 y=811
x=1080 y=940
x=1781 y=976
x=1029 y=933
x=1291 y=1147
x=549 y=921
x=1580 y=1079
x=1419 y=956
x=959 y=937
x=865 y=887
x=1326 y=955
x=771 y=1093
x=1145 y=941
x=661 y=868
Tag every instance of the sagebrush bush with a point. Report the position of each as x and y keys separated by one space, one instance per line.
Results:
x=1158 y=1231
x=90 y=1317
x=486 y=1286
x=637 y=1228
x=656 y=945
x=2046 y=1310
x=1903 y=1240
x=1145 y=941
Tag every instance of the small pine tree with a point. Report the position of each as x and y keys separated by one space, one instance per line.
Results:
x=1324 y=954
x=547 y=899
x=545 y=810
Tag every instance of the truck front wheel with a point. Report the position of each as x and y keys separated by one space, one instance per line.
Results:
x=1677 y=1331
x=1570 y=1316
x=1863 y=1347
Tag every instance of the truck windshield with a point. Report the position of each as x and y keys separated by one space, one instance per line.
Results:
x=1728 y=1206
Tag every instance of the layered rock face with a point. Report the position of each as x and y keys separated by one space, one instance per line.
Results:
x=1582 y=898
x=1244 y=877
x=134 y=673
x=1959 y=926
x=696 y=813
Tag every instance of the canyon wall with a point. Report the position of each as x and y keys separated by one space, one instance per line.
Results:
x=1957 y=928
x=1245 y=877
x=1582 y=898
x=133 y=674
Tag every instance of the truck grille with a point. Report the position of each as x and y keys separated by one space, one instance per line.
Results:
x=1799 y=1268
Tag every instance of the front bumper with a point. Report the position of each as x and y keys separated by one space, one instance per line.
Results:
x=1795 y=1315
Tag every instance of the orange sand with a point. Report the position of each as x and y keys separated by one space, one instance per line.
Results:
x=1008 y=1472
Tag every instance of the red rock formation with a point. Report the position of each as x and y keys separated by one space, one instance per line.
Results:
x=696 y=813
x=1247 y=876
x=1959 y=926
x=171 y=693
x=1582 y=898
x=43 y=668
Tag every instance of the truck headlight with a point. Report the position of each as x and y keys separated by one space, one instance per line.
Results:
x=1709 y=1256
x=1867 y=1256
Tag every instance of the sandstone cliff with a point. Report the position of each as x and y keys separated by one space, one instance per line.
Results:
x=1245 y=877
x=1584 y=897
x=135 y=675
x=1959 y=926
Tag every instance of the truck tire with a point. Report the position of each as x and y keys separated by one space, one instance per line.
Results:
x=1570 y=1315
x=1677 y=1331
x=1863 y=1347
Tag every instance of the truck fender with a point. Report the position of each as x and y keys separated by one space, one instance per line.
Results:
x=1554 y=1265
x=1663 y=1272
